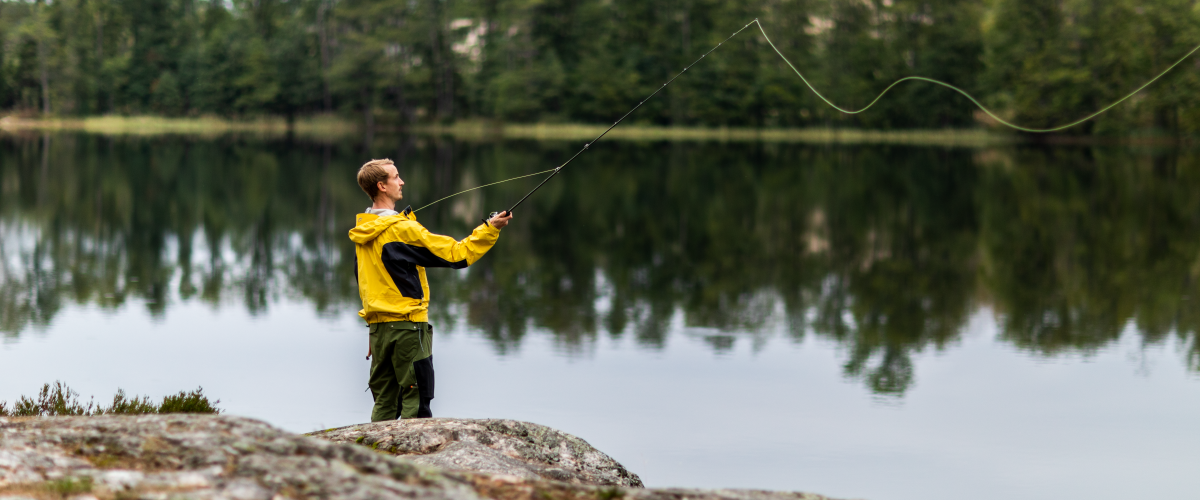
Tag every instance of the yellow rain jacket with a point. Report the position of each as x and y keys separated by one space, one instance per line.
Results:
x=392 y=253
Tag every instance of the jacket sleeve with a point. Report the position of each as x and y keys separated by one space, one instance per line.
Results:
x=425 y=249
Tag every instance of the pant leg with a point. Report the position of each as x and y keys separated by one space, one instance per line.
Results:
x=408 y=350
x=383 y=381
x=424 y=373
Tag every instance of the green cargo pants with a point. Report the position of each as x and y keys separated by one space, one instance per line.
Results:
x=401 y=370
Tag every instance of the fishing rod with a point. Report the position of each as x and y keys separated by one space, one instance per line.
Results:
x=555 y=171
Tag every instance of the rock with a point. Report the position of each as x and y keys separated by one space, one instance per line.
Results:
x=507 y=447
x=210 y=457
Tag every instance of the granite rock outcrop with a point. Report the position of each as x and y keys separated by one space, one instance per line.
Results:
x=506 y=447
x=216 y=457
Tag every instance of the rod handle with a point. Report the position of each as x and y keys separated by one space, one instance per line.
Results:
x=493 y=215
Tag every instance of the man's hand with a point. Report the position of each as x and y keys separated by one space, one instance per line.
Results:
x=500 y=220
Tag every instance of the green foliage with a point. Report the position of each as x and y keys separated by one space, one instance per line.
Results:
x=53 y=400
x=60 y=400
x=1041 y=62
x=188 y=402
x=1051 y=62
x=130 y=406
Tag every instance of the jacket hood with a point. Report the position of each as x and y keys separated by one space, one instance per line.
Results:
x=370 y=226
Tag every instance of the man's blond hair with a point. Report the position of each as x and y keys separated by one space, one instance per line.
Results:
x=371 y=174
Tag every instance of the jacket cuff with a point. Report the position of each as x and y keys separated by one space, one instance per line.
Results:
x=489 y=229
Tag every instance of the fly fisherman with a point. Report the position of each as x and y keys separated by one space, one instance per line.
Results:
x=392 y=251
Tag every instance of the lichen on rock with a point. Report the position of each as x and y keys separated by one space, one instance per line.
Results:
x=507 y=447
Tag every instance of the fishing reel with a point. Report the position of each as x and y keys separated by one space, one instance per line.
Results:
x=493 y=216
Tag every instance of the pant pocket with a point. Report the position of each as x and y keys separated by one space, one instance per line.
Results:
x=408 y=343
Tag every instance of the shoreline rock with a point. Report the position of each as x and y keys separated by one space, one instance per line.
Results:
x=160 y=457
x=490 y=446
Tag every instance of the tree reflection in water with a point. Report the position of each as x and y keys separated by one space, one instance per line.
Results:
x=885 y=250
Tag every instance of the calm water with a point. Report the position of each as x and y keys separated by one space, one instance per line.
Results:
x=873 y=322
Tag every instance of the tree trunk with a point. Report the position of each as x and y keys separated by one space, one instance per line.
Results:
x=402 y=100
x=323 y=33
x=443 y=64
x=98 y=18
x=43 y=71
x=368 y=95
x=685 y=49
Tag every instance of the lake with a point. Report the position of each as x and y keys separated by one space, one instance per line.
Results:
x=861 y=321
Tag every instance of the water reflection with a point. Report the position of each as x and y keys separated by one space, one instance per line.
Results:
x=885 y=250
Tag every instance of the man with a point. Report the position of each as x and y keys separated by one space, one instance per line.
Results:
x=392 y=251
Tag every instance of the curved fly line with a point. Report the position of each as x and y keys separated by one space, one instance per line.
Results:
x=554 y=171
x=968 y=96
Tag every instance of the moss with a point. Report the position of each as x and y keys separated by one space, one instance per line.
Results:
x=106 y=460
x=69 y=486
x=609 y=494
x=360 y=439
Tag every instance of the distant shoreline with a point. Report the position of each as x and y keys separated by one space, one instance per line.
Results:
x=332 y=126
x=576 y=131
x=203 y=126
x=326 y=125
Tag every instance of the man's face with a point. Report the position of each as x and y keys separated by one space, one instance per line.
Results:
x=393 y=187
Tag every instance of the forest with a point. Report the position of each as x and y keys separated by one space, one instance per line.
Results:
x=398 y=62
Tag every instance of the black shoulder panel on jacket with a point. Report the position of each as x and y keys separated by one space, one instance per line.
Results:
x=401 y=261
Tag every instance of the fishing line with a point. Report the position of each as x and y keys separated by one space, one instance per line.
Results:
x=553 y=172
x=556 y=170
x=483 y=186
x=614 y=125
x=968 y=96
